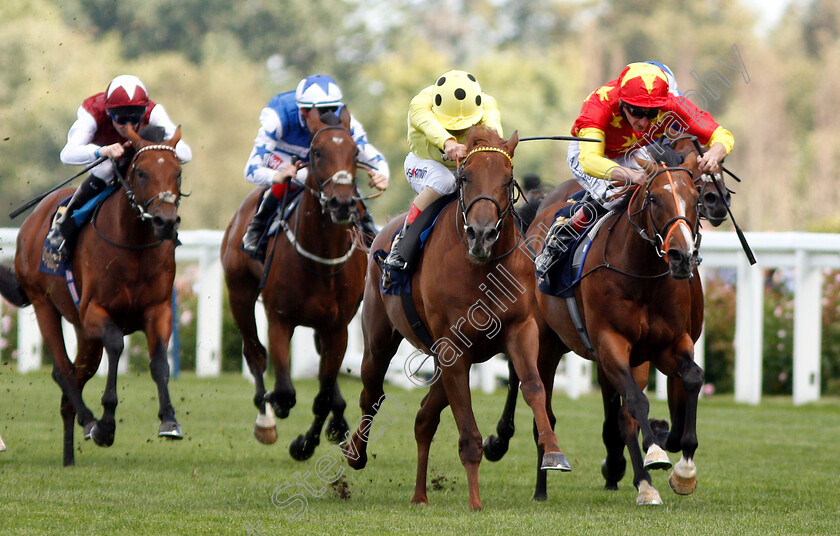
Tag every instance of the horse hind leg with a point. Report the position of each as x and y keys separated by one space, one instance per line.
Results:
x=683 y=479
x=332 y=346
x=242 y=297
x=614 y=466
x=104 y=430
x=425 y=426
x=496 y=446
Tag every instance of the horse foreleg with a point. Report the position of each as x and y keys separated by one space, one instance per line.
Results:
x=456 y=382
x=158 y=329
x=103 y=431
x=549 y=358
x=425 y=426
x=333 y=344
x=495 y=447
x=337 y=427
x=523 y=349
x=282 y=398
x=614 y=465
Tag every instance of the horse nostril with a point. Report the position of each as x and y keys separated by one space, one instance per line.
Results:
x=710 y=199
x=470 y=232
x=157 y=221
x=492 y=235
x=333 y=204
x=674 y=256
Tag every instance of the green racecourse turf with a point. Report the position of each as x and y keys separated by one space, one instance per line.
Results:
x=771 y=469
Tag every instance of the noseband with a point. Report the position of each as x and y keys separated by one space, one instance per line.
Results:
x=460 y=179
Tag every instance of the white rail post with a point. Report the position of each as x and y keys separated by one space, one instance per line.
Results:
x=29 y=340
x=208 y=342
x=807 y=331
x=749 y=327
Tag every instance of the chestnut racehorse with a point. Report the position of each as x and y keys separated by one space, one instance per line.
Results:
x=124 y=268
x=476 y=242
x=315 y=278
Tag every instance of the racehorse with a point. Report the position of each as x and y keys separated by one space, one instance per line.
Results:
x=314 y=276
x=476 y=243
x=683 y=480
x=124 y=268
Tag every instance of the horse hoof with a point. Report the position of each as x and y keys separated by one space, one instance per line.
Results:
x=555 y=461
x=540 y=497
x=683 y=479
x=647 y=494
x=103 y=439
x=300 y=449
x=87 y=429
x=495 y=448
x=656 y=458
x=612 y=480
x=337 y=430
x=266 y=436
x=170 y=430
x=355 y=459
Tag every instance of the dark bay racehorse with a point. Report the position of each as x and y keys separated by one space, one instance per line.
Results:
x=476 y=244
x=124 y=267
x=315 y=278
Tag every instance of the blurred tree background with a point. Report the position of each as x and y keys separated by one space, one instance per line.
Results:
x=214 y=64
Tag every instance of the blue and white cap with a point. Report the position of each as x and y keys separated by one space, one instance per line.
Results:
x=317 y=91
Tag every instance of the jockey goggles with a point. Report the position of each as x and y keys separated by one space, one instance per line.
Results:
x=640 y=112
x=127 y=114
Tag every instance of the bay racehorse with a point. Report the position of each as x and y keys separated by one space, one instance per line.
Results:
x=314 y=276
x=124 y=268
x=475 y=248
x=712 y=207
x=638 y=309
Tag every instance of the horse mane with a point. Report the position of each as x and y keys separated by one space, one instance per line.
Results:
x=666 y=154
x=152 y=133
x=482 y=135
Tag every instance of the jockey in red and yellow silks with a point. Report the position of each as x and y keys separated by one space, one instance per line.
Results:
x=628 y=114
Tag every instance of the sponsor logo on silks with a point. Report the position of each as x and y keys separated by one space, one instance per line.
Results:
x=417 y=173
x=275 y=162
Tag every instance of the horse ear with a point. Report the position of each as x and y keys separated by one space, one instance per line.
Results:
x=512 y=142
x=133 y=136
x=175 y=137
x=345 y=117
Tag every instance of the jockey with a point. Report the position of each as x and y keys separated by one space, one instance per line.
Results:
x=283 y=139
x=629 y=115
x=101 y=129
x=438 y=120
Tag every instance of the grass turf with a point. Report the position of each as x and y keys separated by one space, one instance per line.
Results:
x=762 y=470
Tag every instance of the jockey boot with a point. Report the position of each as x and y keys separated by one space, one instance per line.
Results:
x=368 y=227
x=253 y=236
x=561 y=235
x=65 y=229
x=394 y=259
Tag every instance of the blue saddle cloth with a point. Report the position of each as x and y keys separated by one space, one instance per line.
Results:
x=411 y=248
x=54 y=262
x=566 y=270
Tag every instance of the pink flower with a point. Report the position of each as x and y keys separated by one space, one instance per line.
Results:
x=708 y=389
x=783 y=377
x=186 y=317
x=6 y=323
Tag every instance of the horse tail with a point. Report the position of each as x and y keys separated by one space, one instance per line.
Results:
x=10 y=288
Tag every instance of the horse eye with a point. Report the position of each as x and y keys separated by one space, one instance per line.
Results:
x=652 y=199
x=316 y=152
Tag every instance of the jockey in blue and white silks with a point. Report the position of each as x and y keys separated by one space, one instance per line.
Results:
x=283 y=136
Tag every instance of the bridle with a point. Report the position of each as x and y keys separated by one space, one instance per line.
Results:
x=162 y=197
x=461 y=180
x=662 y=236
x=142 y=207
x=342 y=177
x=501 y=215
